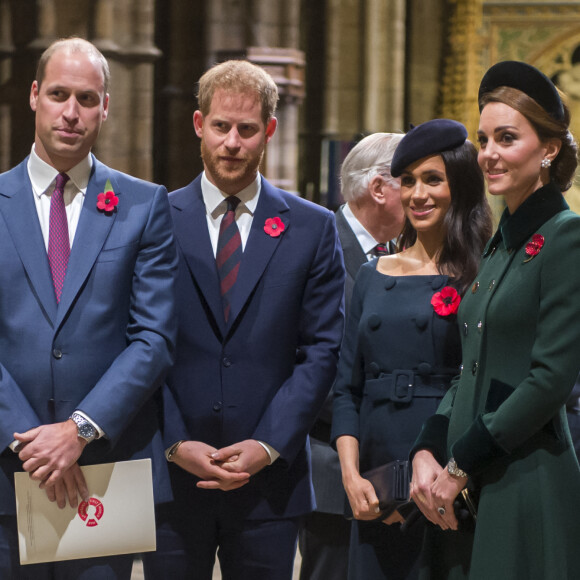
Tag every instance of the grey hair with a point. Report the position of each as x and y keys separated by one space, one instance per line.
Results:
x=369 y=157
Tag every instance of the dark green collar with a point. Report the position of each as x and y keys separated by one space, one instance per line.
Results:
x=541 y=206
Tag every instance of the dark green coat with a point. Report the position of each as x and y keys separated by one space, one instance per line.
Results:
x=520 y=328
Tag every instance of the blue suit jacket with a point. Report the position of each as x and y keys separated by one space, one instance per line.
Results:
x=266 y=373
x=107 y=346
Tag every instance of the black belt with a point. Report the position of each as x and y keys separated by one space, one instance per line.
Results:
x=401 y=386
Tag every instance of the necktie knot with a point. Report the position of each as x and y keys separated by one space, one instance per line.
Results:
x=232 y=202
x=61 y=181
x=381 y=250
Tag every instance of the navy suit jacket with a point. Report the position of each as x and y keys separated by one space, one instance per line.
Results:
x=264 y=374
x=107 y=346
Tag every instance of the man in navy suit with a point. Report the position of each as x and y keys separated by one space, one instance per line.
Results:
x=368 y=225
x=256 y=356
x=87 y=322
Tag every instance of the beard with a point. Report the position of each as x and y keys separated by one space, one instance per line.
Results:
x=230 y=177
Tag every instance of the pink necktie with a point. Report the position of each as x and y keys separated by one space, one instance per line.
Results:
x=58 y=240
x=229 y=253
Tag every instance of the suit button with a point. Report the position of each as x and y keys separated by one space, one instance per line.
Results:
x=474 y=368
x=226 y=362
x=217 y=406
x=491 y=285
x=480 y=326
x=465 y=328
x=475 y=287
x=56 y=353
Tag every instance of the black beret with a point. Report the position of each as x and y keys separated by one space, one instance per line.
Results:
x=525 y=78
x=427 y=139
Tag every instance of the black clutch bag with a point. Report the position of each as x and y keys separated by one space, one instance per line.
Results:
x=391 y=483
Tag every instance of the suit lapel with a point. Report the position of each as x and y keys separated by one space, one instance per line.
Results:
x=354 y=257
x=92 y=231
x=21 y=218
x=260 y=246
x=190 y=222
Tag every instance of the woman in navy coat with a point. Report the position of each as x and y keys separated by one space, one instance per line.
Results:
x=502 y=425
x=401 y=346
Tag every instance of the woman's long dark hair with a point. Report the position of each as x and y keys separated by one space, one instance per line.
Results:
x=468 y=220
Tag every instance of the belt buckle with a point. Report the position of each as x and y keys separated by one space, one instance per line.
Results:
x=402 y=393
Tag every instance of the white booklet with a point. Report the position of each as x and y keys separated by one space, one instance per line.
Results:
x=119 y=517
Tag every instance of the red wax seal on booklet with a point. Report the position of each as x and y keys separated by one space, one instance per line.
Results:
x=95 y=507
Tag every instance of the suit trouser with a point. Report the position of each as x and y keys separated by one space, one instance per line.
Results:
x=109 y=568
x=324 y=541
x=188 y=537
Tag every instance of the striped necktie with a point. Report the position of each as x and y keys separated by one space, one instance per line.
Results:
x=58 y=239
x=229 y=253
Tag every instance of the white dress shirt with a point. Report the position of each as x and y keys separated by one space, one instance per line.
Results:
x=216 y=207
x=43 y=176
x=366 y=241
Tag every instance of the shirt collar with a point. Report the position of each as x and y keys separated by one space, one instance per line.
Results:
x=42 y=175
x=214 y=198
x=366 y=241
x=535 y=211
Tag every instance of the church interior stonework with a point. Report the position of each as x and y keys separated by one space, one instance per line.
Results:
x=344 y=68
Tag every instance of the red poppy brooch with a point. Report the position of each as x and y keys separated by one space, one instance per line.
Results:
x=534 y=246
x=274 y=226
x=446 y=301
x=107 y=201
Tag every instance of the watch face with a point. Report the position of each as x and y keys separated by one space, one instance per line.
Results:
x=86 y=430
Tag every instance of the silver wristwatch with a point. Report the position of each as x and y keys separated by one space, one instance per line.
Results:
x=454 y=470
x=85 y=429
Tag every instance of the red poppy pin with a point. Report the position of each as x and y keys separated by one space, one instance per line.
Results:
x=446 y=301
x=107 y=201
x=274 y=226
x=534 y=246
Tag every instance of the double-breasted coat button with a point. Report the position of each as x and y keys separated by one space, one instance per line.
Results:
x=475 y=287
x=374 y=369
x=460 y=369
x=438 y=282
x=226 y=362
x=217 y=406
x=390 y=283
x=491 y=285
x=57 y=353
x=424 y=368
x=474 y=368
x=465 y=328
x=480 y=326
x=421 y=321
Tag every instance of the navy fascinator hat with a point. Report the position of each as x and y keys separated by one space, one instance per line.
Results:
x=430 y=138
x=525 y=78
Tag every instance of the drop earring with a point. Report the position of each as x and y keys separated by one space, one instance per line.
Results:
x=545 y=163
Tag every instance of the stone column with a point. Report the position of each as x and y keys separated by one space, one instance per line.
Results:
x=384 y=60
x=344 y=73
x=126 y=142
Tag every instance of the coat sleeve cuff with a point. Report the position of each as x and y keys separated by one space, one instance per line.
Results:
x=477 y=448
x=433 y=436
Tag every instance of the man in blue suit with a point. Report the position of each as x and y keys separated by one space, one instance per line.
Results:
x=87 y=324
x=260 y=291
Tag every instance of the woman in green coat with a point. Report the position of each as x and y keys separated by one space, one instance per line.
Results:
x=502 y=426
